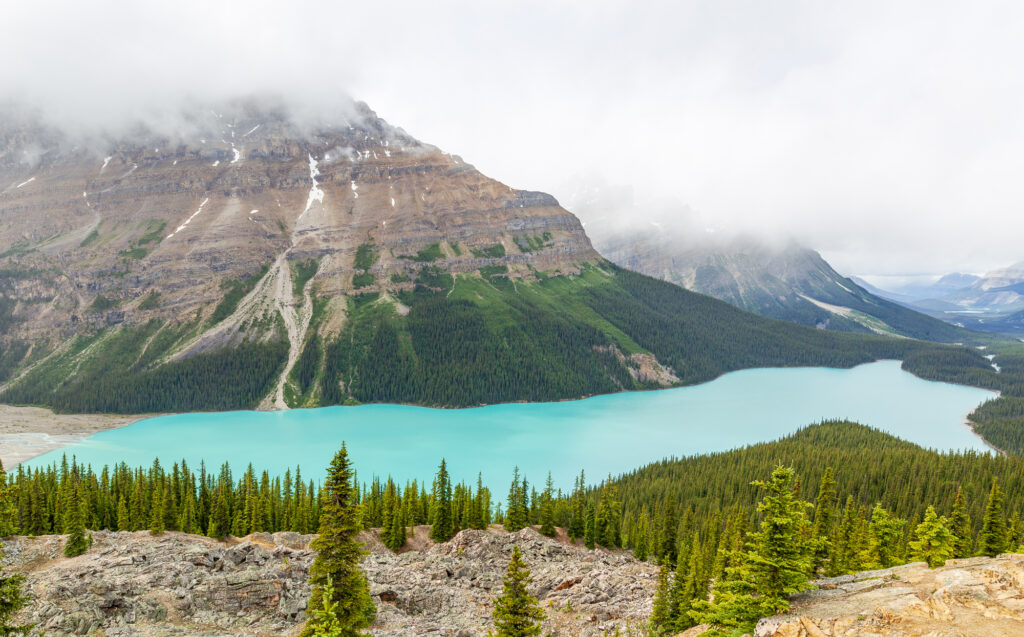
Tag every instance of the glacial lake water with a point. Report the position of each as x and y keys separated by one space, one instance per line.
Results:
x=604 y=434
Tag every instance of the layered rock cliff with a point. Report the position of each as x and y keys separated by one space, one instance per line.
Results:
x=90 y=228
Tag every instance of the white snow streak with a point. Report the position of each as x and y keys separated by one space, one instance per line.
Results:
x=182 y=226
x=252 y=130
x=392 y=202
x=315 y=194
x=106 y=160
x=238 y=155
x=216 y=163
x=354 y=189
x=26 y=182
x=252 y=212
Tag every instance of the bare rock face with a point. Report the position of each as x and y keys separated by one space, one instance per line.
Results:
x=176 y=584
x=89 y=229
x=978 y=597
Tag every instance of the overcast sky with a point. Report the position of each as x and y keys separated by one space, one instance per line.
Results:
x=888 y=135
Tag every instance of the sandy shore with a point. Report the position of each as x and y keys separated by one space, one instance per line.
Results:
x=27 y=432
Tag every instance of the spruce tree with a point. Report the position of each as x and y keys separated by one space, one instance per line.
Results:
x=577 y=520
x=8 y=506
x=590 y=527
x=777 y=562
x=339 y=555
x=442 y=528
x=157 y=513
x=123 y=523
x=993 y=535
x=516 y=612
x=659 y=621
x=547 y=509
x=77 y=542
x=960 y=524
x=517 y=511
x=824 y=513
x=884 y=539
x=219 y=526
x=933 y=541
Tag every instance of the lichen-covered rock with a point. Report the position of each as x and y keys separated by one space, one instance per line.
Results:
x=177 y=584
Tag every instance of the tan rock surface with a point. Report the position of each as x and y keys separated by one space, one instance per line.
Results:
x=978 y=597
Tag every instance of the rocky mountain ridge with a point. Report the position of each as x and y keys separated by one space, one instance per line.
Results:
x=786 y=281
x=250 y=188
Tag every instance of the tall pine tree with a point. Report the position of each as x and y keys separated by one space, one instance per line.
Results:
x=443 y=526
x=339 y=555
x=993 y=535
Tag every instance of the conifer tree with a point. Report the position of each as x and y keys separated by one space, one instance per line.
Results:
x=641 y=541
x=8 y=506
x=442 y=528
x=156 y=518
x=123 y=523
x=516 y=612
x=777 y=561
x=517 y=510
x=339 y=555
x=219 y=526
x=476 y=508
x=547 y=509
x=884 y=539
x=960 y=524
x=77 y=542
x=590 y=527
x=824 y=512
x=660 y=619
x=993 y=535
x=667 y=551
x=933 y=541
x=577 y=521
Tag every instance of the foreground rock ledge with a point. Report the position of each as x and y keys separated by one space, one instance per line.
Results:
x=177 y=584
x=978 y=597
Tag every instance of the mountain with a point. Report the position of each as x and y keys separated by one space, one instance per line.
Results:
x=907 y=292
x=999 y=291
x=241 y=255
x=787 y=282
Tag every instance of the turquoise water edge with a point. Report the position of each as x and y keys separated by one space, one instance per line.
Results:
x=604 y=434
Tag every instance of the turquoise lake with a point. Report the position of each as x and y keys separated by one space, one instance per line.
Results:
x=602 y=435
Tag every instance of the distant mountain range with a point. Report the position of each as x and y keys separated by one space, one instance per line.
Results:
x=788 y=282
x=916 y=291
x=993 y=302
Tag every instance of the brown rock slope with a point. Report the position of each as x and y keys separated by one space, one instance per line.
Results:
x=176 y=584
x=238 y=188
x=979 y=597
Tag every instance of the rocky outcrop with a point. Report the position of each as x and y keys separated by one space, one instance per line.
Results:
x=176 y=584
x=978 y=597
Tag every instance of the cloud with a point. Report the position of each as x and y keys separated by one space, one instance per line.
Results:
x=886 y=134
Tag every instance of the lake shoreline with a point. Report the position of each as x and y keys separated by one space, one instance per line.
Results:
x=604 y=434
x=29 y=432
